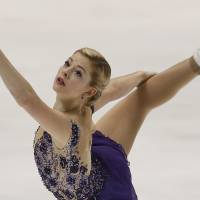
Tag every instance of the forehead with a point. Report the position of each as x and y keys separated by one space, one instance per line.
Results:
x=81 y=60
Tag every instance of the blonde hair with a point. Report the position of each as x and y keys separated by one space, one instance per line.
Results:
x=100 y=72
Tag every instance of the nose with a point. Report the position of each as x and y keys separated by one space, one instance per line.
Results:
x=66 y=73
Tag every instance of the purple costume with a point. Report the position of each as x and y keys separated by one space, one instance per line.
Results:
x=118 y=185
x=66 y=177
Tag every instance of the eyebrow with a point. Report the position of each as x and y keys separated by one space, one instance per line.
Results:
x=79 y=65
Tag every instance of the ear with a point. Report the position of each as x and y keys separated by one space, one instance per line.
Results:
x=92 y=91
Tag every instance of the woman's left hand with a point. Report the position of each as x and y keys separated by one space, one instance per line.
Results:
x=146 y=75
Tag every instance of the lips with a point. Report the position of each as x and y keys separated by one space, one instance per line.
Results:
x=61 y=80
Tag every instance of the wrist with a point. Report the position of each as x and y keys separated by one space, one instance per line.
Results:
x=142 y=76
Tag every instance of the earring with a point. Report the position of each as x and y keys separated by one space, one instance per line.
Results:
x=81 y=107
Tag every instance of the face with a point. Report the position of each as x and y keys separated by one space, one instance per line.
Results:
x=75 y=73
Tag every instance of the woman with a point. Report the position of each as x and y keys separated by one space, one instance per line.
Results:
x=76 y=158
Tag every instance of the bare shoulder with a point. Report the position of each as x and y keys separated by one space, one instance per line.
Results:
x=58 y=143
x=85 y=126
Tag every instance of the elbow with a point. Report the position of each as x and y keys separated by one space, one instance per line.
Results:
x=25 y=100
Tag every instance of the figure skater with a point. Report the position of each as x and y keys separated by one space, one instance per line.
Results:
x=75 y=158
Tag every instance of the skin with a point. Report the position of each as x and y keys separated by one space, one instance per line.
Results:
x=68 y=97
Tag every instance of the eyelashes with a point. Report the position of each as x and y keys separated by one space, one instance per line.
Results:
x=67 y=63
x=77 y=71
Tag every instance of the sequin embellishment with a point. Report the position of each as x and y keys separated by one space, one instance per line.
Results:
x=63 y=173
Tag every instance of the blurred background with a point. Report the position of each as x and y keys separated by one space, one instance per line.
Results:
x=37 y=36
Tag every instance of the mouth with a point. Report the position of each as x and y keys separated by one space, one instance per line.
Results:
x=60 y=81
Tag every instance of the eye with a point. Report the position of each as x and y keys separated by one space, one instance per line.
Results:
x=79 y=73
x=67 y=63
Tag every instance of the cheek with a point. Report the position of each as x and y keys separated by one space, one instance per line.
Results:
x=73 y=86
x=79 y=82
x=78 y=87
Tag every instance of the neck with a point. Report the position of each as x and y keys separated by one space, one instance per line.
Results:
x=66 y=106
x=72 y=108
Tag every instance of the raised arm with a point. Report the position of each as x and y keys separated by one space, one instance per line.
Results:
x=14 y=81
x=53 y=121
x=121 y=86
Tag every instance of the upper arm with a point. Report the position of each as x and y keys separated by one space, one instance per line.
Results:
x=53 y=121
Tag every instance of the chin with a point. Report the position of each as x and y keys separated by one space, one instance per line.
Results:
x=54 y=87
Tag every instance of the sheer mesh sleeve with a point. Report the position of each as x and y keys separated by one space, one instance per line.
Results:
x=62 y=171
